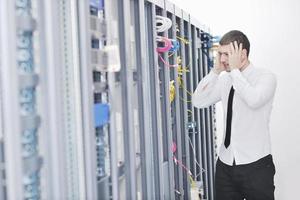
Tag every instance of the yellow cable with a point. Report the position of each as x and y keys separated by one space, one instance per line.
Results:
x=187 y=91
x=182 y=70
x=172 y=91
x=189 y=113
x=182 y=99
x=185 y=41
x=178 y=60
x=182 y=86
x=193 y=183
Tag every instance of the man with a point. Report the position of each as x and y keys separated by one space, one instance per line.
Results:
x=245 y=169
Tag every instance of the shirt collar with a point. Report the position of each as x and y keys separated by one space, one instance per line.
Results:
x=248 y=70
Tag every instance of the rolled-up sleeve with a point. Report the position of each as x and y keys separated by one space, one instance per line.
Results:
x=208 y=91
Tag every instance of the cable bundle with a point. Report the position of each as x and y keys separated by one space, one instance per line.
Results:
x=208 y=42
x=167 y=44
x=171 y=45
x=162 y=24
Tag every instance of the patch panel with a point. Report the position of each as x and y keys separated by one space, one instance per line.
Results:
x=27 y=98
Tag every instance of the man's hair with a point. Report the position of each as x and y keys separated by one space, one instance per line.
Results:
x=238 y=36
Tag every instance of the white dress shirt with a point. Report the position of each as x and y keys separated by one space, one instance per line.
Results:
x=251 y=109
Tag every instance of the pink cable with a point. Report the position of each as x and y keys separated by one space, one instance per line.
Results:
x=182 y=165
x=174 y=149
x=161 y=58
x=167 y=46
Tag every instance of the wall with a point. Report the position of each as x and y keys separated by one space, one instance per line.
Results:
x=273 y=28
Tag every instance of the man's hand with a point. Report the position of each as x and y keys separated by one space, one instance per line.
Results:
x=235 y=55
x=218 y=67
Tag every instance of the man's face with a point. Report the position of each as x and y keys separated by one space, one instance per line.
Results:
x=223 y=52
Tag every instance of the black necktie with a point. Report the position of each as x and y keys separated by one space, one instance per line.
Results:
x=229 y=117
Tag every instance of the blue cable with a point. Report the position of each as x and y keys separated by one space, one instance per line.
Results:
x=175 y=45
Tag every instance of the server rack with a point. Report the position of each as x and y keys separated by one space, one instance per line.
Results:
x=42 y=134
x=113 y=118
x=21 y=118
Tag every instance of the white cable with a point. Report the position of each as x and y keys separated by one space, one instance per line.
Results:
x=162 y=23
x=159 y=38
x=195 y=159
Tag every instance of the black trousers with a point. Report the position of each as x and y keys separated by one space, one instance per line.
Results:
x=254 y=181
